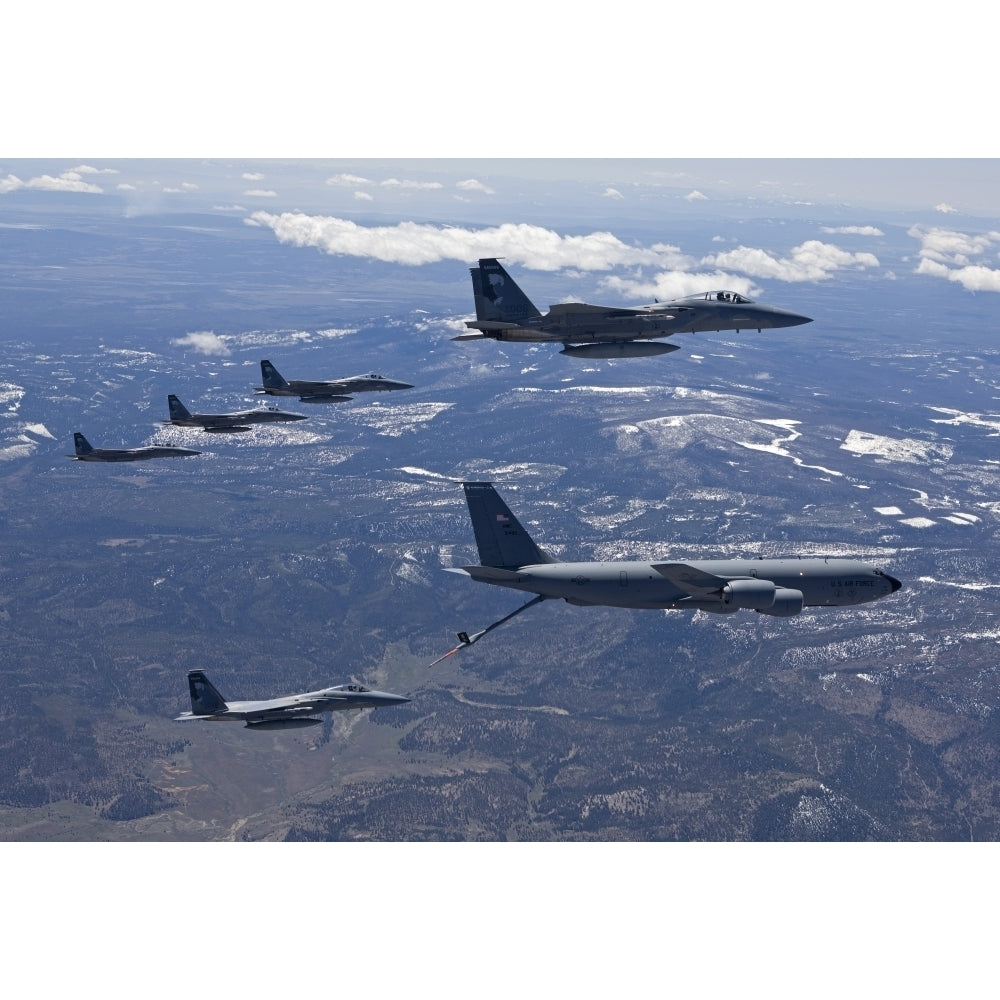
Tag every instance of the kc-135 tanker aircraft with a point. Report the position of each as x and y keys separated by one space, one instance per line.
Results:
x=294 y=711
x=504 y=312
x=780 y=587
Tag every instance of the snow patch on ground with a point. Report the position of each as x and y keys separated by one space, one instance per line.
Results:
x=896 y=449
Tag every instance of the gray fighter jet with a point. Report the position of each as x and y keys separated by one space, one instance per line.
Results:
x=85 y=452
x=779 y=587
x=225 y=423
x=334 y=391
x=294 y=711
x=504 y=312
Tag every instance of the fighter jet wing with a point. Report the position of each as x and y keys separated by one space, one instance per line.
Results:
x=690 y=579
x=581 y=309
x=303 y=708
x=496 y=326
x=609 y=312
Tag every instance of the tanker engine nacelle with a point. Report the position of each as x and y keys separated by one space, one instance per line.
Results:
x=755 y=595
x=787 y=603
x=762 y=596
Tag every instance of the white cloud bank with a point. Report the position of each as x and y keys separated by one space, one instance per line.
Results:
x=473 y=185
x=393 y=182
x=420 y=243
x=852 y=230
x=347 y=180
x=543 y=249
x=68 y=180
x=203 y=342
x=809 y=261
x=945 y=253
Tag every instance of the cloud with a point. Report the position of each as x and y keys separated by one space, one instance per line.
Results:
x=976 y=278
x=660 y=271
x=252 y=177
x=411 y=185
x=951 y=247
x=363 y=196
x=696 y=196
x=125 y=187
x=203 y=342
x=63 y=183
x=613 y=193
x=474 y=185
x=676 y=284
x=852 y=230
x=260 y=193
x=68 y=180
x=945 y=208
x=348 y=180
x=809 y=261
x=946 y=253
x=419 y=243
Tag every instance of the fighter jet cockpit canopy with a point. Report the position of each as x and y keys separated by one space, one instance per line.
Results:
x=356 y=688
x=734 y=298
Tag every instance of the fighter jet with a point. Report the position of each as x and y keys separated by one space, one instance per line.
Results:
x=85 y=452
x=294 y=711
x=778 y=587
x=335 y=391
x=504 y=312
x=224 y=423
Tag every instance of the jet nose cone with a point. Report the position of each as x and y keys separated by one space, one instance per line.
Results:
x=401 y=385
x=894 y=583
x=787 y=318
x=390 y=699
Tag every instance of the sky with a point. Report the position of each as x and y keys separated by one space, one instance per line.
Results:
x=443 y=185
x=465 y=187
x=624 y=223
